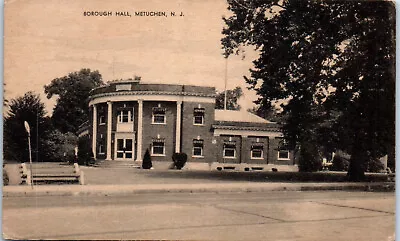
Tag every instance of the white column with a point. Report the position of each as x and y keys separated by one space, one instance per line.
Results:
x=94 y=131
x=109 y=125
x=140 y=131
x=178 y=126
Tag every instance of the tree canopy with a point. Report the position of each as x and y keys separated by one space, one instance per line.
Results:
x=331 y=63
x=25 y=108
x=71 y=109
x=232 y=98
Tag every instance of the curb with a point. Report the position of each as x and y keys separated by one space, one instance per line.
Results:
x=112 y=190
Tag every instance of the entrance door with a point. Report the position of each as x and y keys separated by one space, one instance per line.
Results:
x=124 y=149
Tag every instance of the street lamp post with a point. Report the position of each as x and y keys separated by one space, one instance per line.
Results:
x=28 y=130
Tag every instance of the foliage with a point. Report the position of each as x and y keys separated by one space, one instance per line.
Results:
x=6 y=179
x=62 y=146
x=147 y=164
x=47 y=143
x=232 y=98
x=331 y=66
x=374 y=165
x=85 y=154
x=339 y=163
x=71 y=109
x=179 y=160
x=26 y=108
x=310 y=159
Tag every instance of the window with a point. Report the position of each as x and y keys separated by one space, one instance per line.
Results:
x=158 y=148
x=128 y=148
x=102 y=120
x=257 y=151
x=198 y=116
x=125 y=116
x=229 y=150
x=198 y=146
x=120 y=148
x=101 y=148
x=283 y=155
x=158 y=115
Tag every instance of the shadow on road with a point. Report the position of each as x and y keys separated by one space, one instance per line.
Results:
x=233 y=176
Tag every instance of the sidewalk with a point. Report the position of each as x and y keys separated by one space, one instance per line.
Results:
x=129 y=181
x=124 y=190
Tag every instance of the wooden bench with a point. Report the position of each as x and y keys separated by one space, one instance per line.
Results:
x=45 y=175
x=391 y=177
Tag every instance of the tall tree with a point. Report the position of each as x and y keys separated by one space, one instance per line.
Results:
x=331 y=62
x=72 y=90
x=232 y=98
x=26 y=108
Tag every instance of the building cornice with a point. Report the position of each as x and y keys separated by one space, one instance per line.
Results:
x=151 y=96
x=151 y=93
x=250 y=128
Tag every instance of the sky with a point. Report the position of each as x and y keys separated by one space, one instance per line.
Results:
x=46 y=39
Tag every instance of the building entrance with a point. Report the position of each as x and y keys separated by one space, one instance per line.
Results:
x=124 y=148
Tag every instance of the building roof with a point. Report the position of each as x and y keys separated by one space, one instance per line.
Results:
x=238 y=116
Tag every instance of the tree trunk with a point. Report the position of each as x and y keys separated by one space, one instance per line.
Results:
x=356 y=171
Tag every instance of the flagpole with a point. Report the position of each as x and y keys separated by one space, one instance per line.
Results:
x=226 y=81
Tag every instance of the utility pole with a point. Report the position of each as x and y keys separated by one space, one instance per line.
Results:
x=37 y=134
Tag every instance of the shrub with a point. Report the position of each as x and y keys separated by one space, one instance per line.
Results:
x=84 y=151
x=146 y=164
x=375 y=165
x=179 y=160
x=339 y=163
x=91 y=159
x=310 y=159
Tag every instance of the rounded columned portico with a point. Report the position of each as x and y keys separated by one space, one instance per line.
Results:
x=130 y=117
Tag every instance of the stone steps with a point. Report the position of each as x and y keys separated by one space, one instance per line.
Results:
x=117 y=164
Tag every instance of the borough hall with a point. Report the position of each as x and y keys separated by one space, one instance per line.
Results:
x=128 y=117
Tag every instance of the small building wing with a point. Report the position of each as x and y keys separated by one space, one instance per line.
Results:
x=238 y=116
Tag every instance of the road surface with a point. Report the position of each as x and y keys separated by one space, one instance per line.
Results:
x=231 y=216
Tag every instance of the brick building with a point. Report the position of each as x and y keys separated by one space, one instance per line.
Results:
x=128 y=117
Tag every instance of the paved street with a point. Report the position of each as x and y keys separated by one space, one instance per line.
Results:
x=230 y=216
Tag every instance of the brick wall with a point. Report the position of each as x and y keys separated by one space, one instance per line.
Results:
x=273 y=153
x=191 y=131
x=219 y=147
x=166 y=131
x=247 y=143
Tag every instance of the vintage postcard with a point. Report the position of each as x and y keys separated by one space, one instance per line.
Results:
x=199 y=120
